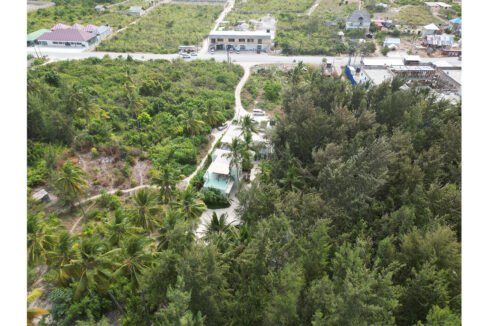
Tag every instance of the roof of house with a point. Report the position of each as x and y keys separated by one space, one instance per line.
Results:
x=136 y=9
x=59 y=26
x=102 y=29
x=357 y=14
x=437 y=4
x=67 y=35
x=40 y=194
x=77 y=26
x=221 y=163
x=456 y=20
x=240 y=33
x=412 y=58
x=431 y=27
x=90 y=28
x=34 y=35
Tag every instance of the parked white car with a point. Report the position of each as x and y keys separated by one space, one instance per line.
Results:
x=258 y=112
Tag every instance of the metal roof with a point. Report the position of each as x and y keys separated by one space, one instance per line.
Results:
x=35 y=35
x=431 y=27
x=411 y=68
x=357 y=14
x=67 y=35
x=59 y=26
x=221 y=163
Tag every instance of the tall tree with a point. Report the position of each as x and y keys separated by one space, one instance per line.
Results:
x=176 y=313
x=70 y=182
x=146 y=212
x=136 y=258
x=41 y=238
x=235 y=156
x=166 y=180
x=188 y=202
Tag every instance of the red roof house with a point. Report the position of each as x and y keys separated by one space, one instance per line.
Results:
x=67 y=37
x=59 y=26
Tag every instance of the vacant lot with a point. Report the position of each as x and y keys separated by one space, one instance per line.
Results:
x=76 y=13
x=110 y=114
x=164 y=29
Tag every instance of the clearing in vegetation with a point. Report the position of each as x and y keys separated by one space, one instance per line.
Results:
x=164 y=29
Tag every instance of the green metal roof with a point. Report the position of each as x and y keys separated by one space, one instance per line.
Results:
x=34 y=35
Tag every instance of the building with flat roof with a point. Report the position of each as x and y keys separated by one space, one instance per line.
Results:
x=240 y=40
x=391 y=42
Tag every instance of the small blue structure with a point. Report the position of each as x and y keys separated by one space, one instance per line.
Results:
x=220 y=174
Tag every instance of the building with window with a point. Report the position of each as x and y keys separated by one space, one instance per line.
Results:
x=240 y=40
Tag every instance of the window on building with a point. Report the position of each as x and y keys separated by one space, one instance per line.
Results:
x=220 y=40
x=260 y=41
x=250 y=40
x=242 y=40
x=212 y=40
x=232 y=40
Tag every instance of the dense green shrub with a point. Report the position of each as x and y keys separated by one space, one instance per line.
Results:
x=213 y=198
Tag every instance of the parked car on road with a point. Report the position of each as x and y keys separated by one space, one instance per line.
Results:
x=185 y=56
x=193 y=54
x=258 y=112
x=222 y=127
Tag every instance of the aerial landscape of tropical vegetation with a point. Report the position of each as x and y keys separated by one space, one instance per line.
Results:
x=352 y=216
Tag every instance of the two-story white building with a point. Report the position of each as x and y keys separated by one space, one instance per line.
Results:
x=240 y=40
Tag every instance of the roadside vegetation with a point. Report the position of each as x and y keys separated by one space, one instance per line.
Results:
x=118 y=118
x=355 y=220
x=264 y=89
x=81 y=12
x=415 y=16
x=164 y=29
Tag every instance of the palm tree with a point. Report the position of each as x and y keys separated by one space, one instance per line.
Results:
x=41 y=237
x=71 y=182
x=135 y=259
x=219 y=231
x=212 y=116
x=248 y=126
x=146 y=210
x=62 y=254
x=175 y=233
x=235 y=155
x=166 y=180
x=189 y=204
x=92 y=268
x=33 y=313
x=119 y=228
x=193 y=123
x=133 y=101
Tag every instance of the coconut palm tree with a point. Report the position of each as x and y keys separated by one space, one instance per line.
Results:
x=235 y=155
x=146 y=210
x=33 y=313
x=41 y=237
x=193 y=123
x=219 y=231
x=59 y=256
x=212 y=116
x=175 y=233
x=248 y=126
x=92 y=268
x=189 y=204
x=70 y=182
x=136 y=257
x=119 y=228
x=166 y=180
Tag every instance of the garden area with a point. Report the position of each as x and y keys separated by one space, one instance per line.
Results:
x=81 y=12
x=164 y=29
x=122 y=119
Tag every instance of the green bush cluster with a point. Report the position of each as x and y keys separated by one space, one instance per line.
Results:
x=214 y=199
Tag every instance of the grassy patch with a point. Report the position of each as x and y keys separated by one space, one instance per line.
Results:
x=415 y=15
x=258 y=90
x=77 y=13
x=164 y=29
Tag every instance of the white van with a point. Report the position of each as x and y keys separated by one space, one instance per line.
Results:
x=258 y=112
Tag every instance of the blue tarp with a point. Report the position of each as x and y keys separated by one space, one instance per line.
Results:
x=456 y=20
